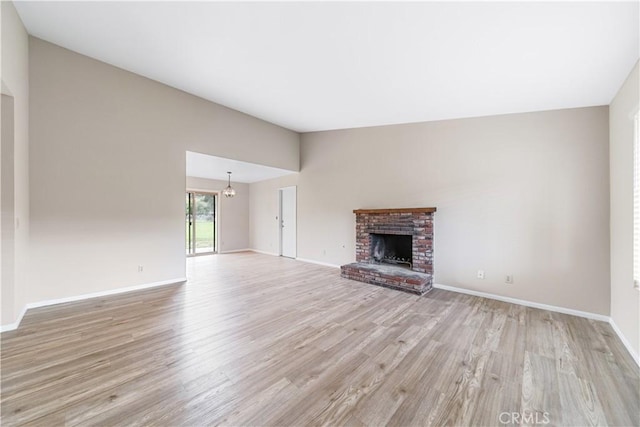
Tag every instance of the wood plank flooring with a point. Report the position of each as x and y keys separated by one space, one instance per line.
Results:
x=258 y=340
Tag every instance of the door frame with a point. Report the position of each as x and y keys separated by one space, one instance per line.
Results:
x=216 y=220
x=280 y=192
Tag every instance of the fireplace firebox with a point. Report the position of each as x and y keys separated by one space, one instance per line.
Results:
x=394 y=249
x=391 y=249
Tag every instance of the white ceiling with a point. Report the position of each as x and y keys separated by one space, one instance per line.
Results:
x=212 y=167
x=326 y=65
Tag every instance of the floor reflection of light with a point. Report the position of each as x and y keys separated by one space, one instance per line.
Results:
x=199 y=323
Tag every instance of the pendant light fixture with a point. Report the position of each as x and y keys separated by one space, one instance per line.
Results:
x=229 y=191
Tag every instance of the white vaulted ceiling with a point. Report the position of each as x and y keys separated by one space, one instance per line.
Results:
x=326 y=65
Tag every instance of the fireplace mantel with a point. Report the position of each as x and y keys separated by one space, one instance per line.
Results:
x=388 y=211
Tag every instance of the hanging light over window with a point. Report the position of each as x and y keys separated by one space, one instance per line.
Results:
x=229 y=191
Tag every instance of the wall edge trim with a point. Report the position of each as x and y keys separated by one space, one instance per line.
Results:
x=264 y=252
x=557 y=309
x=625 y=342
x=44 y=303
x=564 y=310
x=310 y=261
x=14 y=325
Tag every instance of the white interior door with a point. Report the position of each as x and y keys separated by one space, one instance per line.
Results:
x=288 y=222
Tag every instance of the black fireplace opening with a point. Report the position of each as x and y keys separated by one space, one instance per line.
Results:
x=391 y=249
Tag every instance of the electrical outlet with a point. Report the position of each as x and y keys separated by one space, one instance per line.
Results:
x=140 y=268
x=480 y=274
x=509 y=279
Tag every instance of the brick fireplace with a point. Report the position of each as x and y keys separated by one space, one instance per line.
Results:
x=394 y=249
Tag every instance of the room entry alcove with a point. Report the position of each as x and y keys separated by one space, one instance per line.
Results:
x=394 y=249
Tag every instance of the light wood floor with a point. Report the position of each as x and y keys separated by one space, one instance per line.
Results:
x=259 y=340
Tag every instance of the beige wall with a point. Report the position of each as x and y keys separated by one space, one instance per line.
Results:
x=625 y=300
x=233 y=213
x=15 y=83
x=523 y=194
x=108 y=171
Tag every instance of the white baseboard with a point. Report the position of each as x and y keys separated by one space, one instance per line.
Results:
x=311 y=261
x=526 y=303
x=45 y=303
x=233 y=251
x=264 y=252
x=585 y=314
x=557 y=309
x=624 y=340
x=14 y=325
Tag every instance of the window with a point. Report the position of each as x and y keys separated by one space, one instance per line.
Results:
x=636 y=201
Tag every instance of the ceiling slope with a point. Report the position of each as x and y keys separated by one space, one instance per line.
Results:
x=312 y=66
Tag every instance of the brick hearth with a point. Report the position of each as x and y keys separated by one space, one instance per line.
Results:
x=414 y=222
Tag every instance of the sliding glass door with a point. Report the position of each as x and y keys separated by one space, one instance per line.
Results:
x=200 y=223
